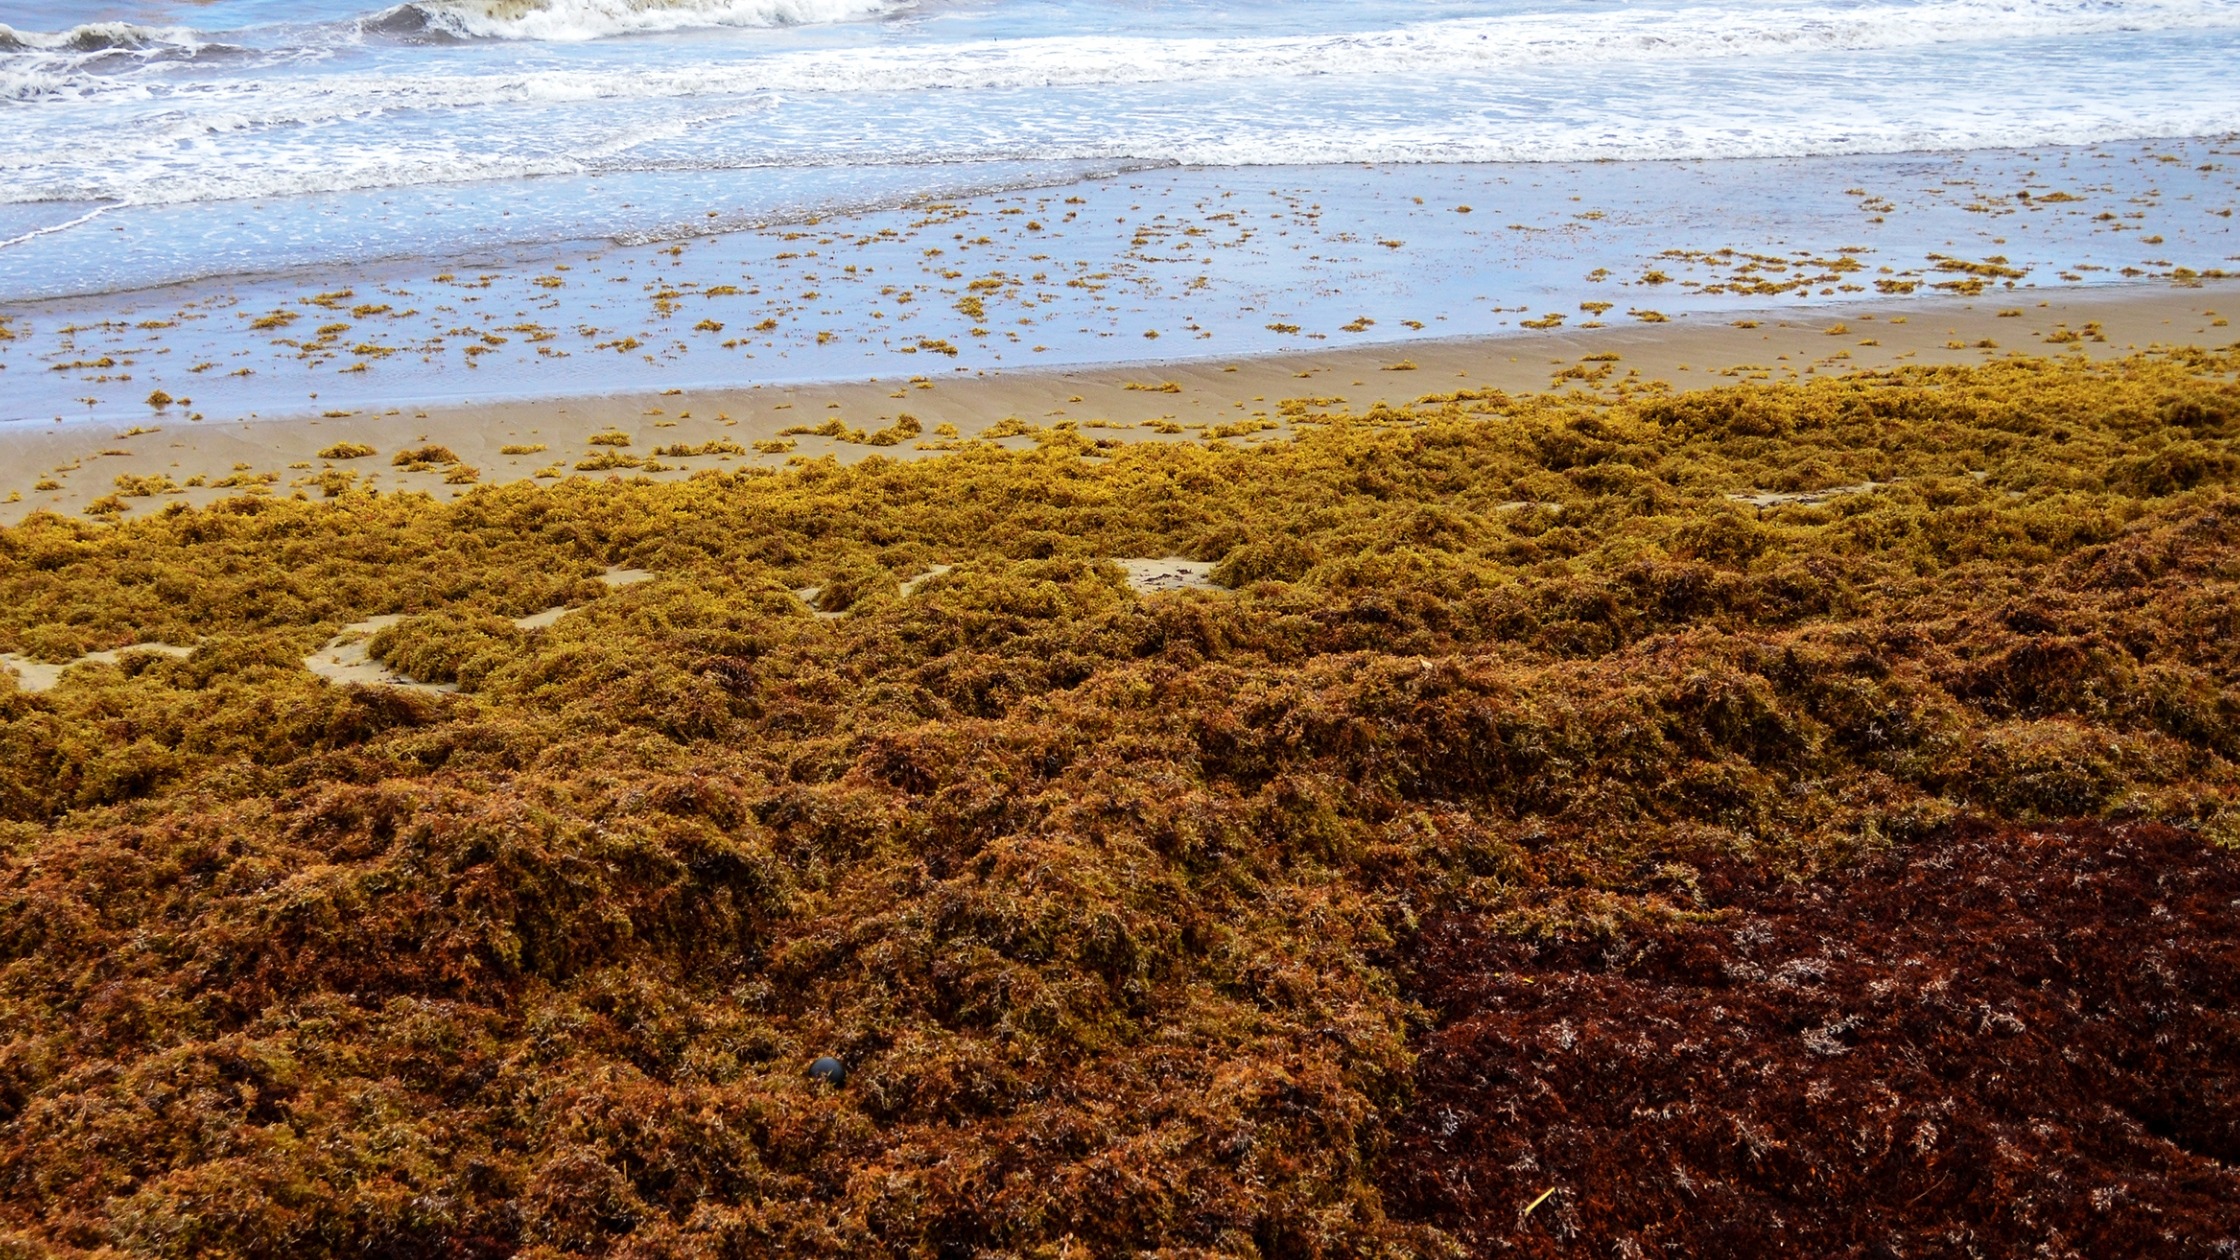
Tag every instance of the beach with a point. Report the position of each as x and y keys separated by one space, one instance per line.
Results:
x=1251 y=399
x=1044 y=628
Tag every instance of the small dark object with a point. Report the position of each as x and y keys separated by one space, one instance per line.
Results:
x=829 y=1070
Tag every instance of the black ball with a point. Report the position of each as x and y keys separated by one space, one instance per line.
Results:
x=829 y=1070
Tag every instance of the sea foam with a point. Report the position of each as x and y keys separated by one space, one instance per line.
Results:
x=568 y=21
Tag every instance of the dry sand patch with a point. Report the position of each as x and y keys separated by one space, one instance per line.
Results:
x=1806 y=498
x=1171 y=573
x=34 y=675
x=345 y=659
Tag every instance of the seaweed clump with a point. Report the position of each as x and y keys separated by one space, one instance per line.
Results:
x=2028 y=1033
x=1117 y=909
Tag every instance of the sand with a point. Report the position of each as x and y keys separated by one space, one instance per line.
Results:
x=31 y=675
x=66 y=468
x=343 y=659
x=347 y=658
x=1168 y=573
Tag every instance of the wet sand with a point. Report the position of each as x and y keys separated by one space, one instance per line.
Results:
x=1173 y=264
x=68 y=467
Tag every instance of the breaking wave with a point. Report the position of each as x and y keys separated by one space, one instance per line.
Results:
x=570 y=21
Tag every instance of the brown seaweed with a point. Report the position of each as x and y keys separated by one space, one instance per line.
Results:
x=1107 y=901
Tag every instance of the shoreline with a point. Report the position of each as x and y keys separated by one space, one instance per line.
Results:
x=1159 y=265
x=540 y=252
x=170 y=458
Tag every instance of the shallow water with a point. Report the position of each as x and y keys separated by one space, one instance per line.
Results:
x=1160 y=264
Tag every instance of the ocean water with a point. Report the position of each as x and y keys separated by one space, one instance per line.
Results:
x=145 y=142
x=282 y=207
